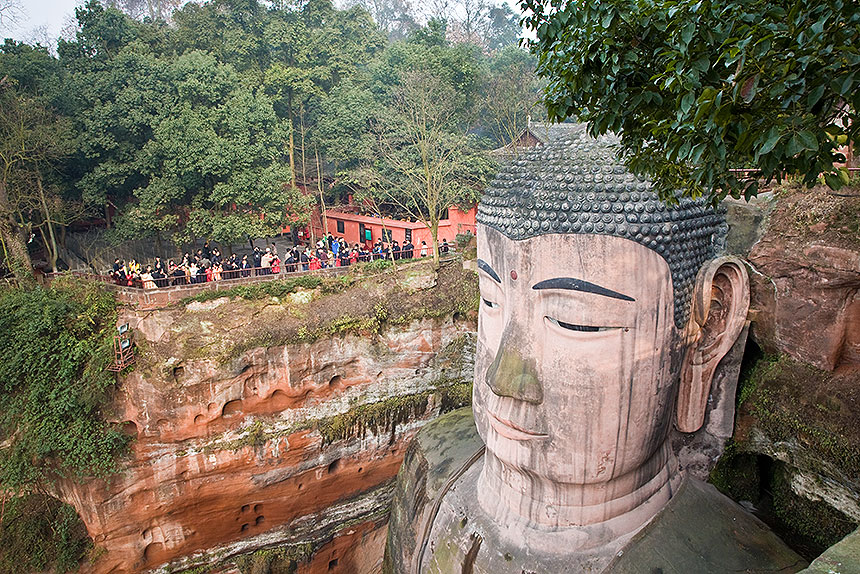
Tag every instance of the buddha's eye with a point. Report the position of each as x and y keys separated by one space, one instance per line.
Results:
x=490 y=304
x=582 y=328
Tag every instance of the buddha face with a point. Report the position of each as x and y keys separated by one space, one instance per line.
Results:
x=577 y=354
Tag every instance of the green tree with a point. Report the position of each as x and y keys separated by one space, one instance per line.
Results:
x=215 y=164
x=503 y=28
x=32 y=138
x=425 y=162
x=396 y=18
x=511 y=93
x=697 y=88
x=314 y=50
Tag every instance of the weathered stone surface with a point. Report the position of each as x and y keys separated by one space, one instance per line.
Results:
x=698 y=452
x=805 y=280
x=292 y=444
x=841 y=558
x=699 y=530
x=745 y=221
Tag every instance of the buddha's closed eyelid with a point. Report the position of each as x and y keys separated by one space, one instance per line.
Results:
x=583 y=328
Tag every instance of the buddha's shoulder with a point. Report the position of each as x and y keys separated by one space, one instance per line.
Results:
x=702 y=530
x=436 y=456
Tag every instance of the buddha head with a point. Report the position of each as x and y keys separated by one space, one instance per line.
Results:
x=604 y=313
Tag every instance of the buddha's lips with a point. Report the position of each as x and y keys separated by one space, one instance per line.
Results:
x=510 y=430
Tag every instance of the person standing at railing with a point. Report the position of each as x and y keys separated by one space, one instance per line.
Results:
x=258 y=256
x=146 y=278
x=246 y=266
x=266 y=262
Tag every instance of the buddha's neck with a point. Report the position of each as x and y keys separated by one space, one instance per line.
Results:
x=629 y=501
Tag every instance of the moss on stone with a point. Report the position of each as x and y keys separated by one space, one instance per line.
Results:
x=818 y=213
x=377 y=418
x=796 y=412
x=280 y=560
x=736 y=474
x=384 y=416
x=274 y=288
x=814 y=520
x=455 y=396
x=367 y=307
x=793 y=401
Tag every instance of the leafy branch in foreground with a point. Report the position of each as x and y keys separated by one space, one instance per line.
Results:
x=696 y=88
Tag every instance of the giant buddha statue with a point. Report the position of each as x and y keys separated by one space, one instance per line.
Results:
x=604 y=315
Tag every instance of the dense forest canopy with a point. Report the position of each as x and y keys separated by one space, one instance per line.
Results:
x=231 y=118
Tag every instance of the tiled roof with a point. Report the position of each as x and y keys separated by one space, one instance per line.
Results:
x=547 y=133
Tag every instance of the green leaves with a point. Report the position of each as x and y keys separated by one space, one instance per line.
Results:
x=697 y=89
x=54 y=384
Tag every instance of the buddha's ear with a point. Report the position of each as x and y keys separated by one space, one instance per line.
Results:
x=721 y=301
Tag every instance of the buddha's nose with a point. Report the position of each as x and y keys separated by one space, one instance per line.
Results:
x=513 y=375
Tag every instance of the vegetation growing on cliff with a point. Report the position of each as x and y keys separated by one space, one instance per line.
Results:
x=818 y=214
x=40 y=533
x=810 y=418
x=374 y=417
x=53 y=384
x=366 y=307
x=385 y=415
x=283 y=559
x=790 y=400
x=57 y=345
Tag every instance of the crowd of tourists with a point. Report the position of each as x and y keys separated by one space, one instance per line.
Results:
x=208 y=264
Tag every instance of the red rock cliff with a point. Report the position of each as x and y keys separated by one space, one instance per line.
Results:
x=291 y=446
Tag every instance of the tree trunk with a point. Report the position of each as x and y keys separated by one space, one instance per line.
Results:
x=15 y=254
x=434 y=234
x=51 y=239
x=292 y=159
x=320 y=189
x=158 y=245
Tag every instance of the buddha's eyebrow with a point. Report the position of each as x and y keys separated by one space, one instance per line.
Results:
x=485 y=267
x=579 y=285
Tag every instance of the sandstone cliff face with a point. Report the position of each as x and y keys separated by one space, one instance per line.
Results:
x=801 y=402
x=289 y=447
x=806 y=279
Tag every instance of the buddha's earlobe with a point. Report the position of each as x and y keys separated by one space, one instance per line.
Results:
x=721 y=302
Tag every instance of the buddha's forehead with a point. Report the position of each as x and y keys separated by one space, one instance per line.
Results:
x=615 y=262
x=578 y=186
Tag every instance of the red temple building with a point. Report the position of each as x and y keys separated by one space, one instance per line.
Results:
x=355 y=228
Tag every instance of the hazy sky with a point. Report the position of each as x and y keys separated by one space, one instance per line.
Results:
x=44 y=19
x=48 y=14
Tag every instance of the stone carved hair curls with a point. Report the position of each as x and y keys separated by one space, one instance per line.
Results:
x=579 y=186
